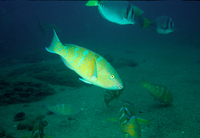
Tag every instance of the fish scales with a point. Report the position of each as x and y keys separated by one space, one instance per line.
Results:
x=159 y=92
x=93 y=68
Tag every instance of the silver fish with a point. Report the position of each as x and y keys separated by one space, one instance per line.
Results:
x=120 y=12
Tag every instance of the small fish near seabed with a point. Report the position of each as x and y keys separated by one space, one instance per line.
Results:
x=119 y=12
x=161 y=25
x=111 y=95
x=159 y=92
x=37 y=132
x=62 y=109
x=92 y=67
x=129 y=122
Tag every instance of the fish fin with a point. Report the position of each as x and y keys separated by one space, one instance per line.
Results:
x=137 y=11
x=143 y=82
x=142 y=121
x=55 y=42
x=112 y=119
x=92 y=3
x=47 y=136
x=25 y=136
x=66 y=63
x=83 y=80
x=146 y=23
x=93 y=74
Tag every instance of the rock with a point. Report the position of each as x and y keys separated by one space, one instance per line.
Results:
x=19 y=116
x=23 y=89
x=2 y=132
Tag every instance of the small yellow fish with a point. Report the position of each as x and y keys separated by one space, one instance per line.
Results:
x=93 y=68
x=61 y=109
x=159 y=92
x=129 y=122
x=111 y=95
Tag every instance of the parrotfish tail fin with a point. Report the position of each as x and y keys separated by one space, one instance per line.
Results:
x=45 y=106
x=112 y=119
x=143 y=83
x=26 y=136
x=55 y=42
x=142 y=121
x=144 y=22
x=92 y=3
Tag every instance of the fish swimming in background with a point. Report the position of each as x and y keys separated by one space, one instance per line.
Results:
x=62 y=109
x=92 y=67
x=120 y=12
x=161 y=25
x=129 y=122
x=111 y=95
x=37 y=132
x=44 y=27
x=159 y=92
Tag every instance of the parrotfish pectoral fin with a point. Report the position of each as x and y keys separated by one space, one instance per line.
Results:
x=142 y=121
x=55 y=42
x=112 y=119
x=92 y=3
x=66 y=63
x=93 y=69
x=83 y=80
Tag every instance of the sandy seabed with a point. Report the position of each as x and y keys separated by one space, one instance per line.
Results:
x=178 y=71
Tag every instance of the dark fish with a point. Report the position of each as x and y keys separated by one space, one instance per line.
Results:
x=120 y=12
x=111 y=95
x=161 y=25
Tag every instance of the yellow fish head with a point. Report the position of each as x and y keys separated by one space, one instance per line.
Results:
x=110 y=79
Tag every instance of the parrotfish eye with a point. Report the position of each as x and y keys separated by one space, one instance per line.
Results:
x=112 y=76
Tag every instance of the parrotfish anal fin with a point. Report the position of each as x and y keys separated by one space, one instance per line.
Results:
x=112 y=119
x=142 y=121
x=66 y=63
x=83 y=80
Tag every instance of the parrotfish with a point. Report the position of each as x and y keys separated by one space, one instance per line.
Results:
x=129 y=122
x=62 y=109
x=92 y=67
x=161 y=25
x=159 y=92
x=37 y=132
x=111 y=95
x=120 y=12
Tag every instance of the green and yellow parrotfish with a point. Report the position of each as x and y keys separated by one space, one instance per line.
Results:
x=92 y=67
x=37 y=132
x=62 y=109
x=111 y=95
x=159 y=92
x=129 y=122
